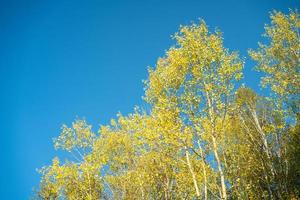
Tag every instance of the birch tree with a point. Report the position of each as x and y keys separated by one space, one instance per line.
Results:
x=197 y=76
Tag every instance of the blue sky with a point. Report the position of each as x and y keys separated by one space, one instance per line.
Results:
x=62 y=59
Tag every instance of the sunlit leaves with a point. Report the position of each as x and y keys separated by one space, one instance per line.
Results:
x=78 y=136
x=280 y=58
x=202 y=136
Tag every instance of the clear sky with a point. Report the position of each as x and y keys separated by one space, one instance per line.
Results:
x=61 y=59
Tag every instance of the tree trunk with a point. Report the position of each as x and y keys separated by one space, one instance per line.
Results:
x=192 y=172
x=215 y=148
x=265 y=143
x=204 y=171
x=222 y=177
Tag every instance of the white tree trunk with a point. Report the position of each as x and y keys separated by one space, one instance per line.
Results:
x=192 y=172
x=204 y=171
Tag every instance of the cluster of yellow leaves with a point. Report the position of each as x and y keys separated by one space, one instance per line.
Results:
x=79 y=136
x=280 y=59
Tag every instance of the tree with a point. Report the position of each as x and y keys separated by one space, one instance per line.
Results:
x=258 y=132
x=280 y=59
x=77 y=179
x=197 y=78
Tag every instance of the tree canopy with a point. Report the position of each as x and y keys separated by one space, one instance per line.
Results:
x=204 y=136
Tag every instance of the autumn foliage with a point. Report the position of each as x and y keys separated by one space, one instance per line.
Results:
x=205 y=135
